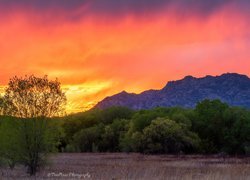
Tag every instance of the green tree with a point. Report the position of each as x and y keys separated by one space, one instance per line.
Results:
x=167 y=136
x=113 y=134
x=41 y=139
x=88 y=139
x=209 y=124
x=76 y=122
x=143 y=118
x=108 y=115
x=236 y=133
x=181 y=118
x=132 y=141
x=34 y=100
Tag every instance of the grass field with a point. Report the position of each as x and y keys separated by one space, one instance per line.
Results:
x=136 y=166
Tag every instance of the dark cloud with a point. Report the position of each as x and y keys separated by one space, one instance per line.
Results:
x=117 y=8
x=147 y=6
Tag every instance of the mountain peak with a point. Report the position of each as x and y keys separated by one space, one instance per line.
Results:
x=234 y=75
x=231 y=88
x=124 y=92
x=189 y=77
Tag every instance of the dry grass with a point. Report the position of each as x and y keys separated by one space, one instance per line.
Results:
x=135 y=166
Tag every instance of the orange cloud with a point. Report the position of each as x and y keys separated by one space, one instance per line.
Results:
x=94 y=58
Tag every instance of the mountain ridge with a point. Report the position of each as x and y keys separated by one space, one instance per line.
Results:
x=232 y=88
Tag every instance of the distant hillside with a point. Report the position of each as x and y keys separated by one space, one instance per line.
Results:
x=231 y=88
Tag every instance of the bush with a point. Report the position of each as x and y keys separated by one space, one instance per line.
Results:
x=167 y=136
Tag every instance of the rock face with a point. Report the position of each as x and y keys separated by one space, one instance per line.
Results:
x=231 y=88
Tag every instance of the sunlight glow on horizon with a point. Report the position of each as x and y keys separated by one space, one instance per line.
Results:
x=98 y=55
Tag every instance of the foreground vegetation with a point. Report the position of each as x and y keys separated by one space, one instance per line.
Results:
x=137 y=166
x=212 y=127
x=32 y=127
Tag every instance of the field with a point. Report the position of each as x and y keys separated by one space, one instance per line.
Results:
x=137 y=166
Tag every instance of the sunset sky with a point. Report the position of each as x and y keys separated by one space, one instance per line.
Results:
x=98 y=48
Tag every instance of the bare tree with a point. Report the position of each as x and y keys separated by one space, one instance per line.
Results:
x=33 y=101
x=31 y=97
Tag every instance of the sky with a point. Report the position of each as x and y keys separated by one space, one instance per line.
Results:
x=98 y=48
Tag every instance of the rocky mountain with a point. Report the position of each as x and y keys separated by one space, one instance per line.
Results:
x=231 y=88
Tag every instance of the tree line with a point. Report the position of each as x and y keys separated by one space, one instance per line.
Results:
x=211 y=127
x=33 y=125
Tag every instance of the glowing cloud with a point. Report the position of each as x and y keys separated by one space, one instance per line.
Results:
x=98 y=48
